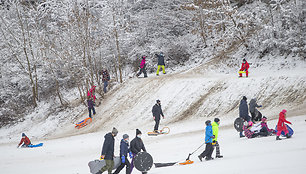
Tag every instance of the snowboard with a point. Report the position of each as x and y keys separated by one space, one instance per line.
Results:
x=83 y=123
x=290 y=130
x=143 y=161
x=165 y=130
x=238 y=124
x=96 y=165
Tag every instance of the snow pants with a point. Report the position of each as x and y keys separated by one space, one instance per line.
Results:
x=158 y=67
x=105 y=86
x=127 y=164
x=156 y=124
x=217 y=148
x=246 y=72
x=142 y=70
x=108 y=167
x=93 y=110
x=279 y=132
x=208 y=151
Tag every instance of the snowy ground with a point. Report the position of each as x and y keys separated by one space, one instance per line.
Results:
x=259 y=155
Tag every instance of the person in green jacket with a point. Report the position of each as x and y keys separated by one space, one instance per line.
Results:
x=215 y=128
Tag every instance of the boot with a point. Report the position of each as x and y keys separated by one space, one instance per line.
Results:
x=208 y=158
x=241 y=136
x=288 y=136
x=277 y=138
x=200 y=158
x=219 y=156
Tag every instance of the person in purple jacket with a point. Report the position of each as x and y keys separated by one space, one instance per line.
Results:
x=90 y=104
x=142 y=67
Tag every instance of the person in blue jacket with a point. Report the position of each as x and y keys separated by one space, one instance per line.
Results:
x=244 y=112
x=208 y=141
x=124 y=151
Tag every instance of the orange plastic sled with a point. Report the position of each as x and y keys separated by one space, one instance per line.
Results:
x=186 y=162
x=83 y=123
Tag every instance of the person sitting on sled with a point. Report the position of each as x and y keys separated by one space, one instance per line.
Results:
x=244 y=67
x=250 y=134
x=264 y=126
x=25 y=141
x=208 y=141
x=281 y=126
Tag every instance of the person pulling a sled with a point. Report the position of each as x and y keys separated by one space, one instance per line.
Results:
x=124 y=151
x=157 y=112
x=136 y=147
x=215 y=128
x=142 y=67
x=244 y=67
x=256 y=115
x=281 y=126
x=243 y=112
x=25 y=141
x=160 y=63
x=108 y=151
x=208 y=141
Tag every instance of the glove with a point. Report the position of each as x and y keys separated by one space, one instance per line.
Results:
x=131 y=154
x=213 y=137
x=102 y=157
x=123 y=159
x=214 y=141
x=260 y=106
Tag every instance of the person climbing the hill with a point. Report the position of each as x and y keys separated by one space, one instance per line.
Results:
x=281 y=126
x=142 y=67
x=256 y=115
x=90 y=104
x=215 y=128
x=160 y=63
x=264 y=126
x=208 y=141
x=108 y=151
x=91 y=93
x=157 y=112
x=105 y=79
x=244 y=112
x=25 y=141
x=244 y=67
x=136 y=147
x=124 y=151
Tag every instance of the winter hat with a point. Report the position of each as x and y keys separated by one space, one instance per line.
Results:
x=244 y=98
x=114 y=131
x=23 y=134
x=264 y=118
x=143 y=57
x=284 y=111
x=157 y=101
x=250 y=123
x=216 y=120
x=207 y=122
x=244 y=60
x=138 y=132
x=125 y=136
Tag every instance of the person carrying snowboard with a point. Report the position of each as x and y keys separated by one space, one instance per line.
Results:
x=136 y=147
x=157 y=112
x=90 y=104
x=215 y=128
x=244 y=67
x=208 y=141
x=108 y=151
x=105 y=79
x=256 y=115
x=281 y=126
x=243 y=112
x=124 y=151
x=160 y=63
x=25 y=141
x=142 y=67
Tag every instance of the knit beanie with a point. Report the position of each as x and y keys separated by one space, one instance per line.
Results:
x=23 y=134
x=244 y=98
x=114 y=131
x=207 y=122
x=125 y=136
x=138 y=132
x=216 y=120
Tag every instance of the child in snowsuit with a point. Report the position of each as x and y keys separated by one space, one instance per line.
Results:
x=142 y=67
x=281 y=126
x=25 y=141
x=90 y=104
x=160 y=63
x=215 y=128
x=208 y=141
x=136 y=147
x=124 y=150
x=264 y=126
x=244 y=67
x=105 y=79
x=250 y=134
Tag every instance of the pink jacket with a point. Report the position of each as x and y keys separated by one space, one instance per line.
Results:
x=143 y=62
x=90 y=93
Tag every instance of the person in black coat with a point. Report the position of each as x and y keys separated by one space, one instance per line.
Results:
x=160 y=63
x=108 y=151
x=91 y=105
x=124 y=151
x=136 y=146
x=244 y=111
x=157 y=112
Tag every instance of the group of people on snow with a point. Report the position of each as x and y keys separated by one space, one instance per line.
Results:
x=160 y=64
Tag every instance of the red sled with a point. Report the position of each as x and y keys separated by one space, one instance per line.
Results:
x=83 y=123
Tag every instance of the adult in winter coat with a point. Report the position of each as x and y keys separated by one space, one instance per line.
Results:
x=215 y=128
x=136 y=146
x=124 y=151
x=142 y=67
x=281 y=126
x=157 y=112
x=244 y=111
x=160 y=63
x=254 y=112
x=108 y=151
x=25 y=141
x=208 y=141
x=90 y=104
x=91 y=93
x=244 y=67
x=105 y=79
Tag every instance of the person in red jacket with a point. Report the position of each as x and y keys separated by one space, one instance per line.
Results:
x=244 y=67
x=25 y=141
x=281 y=126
